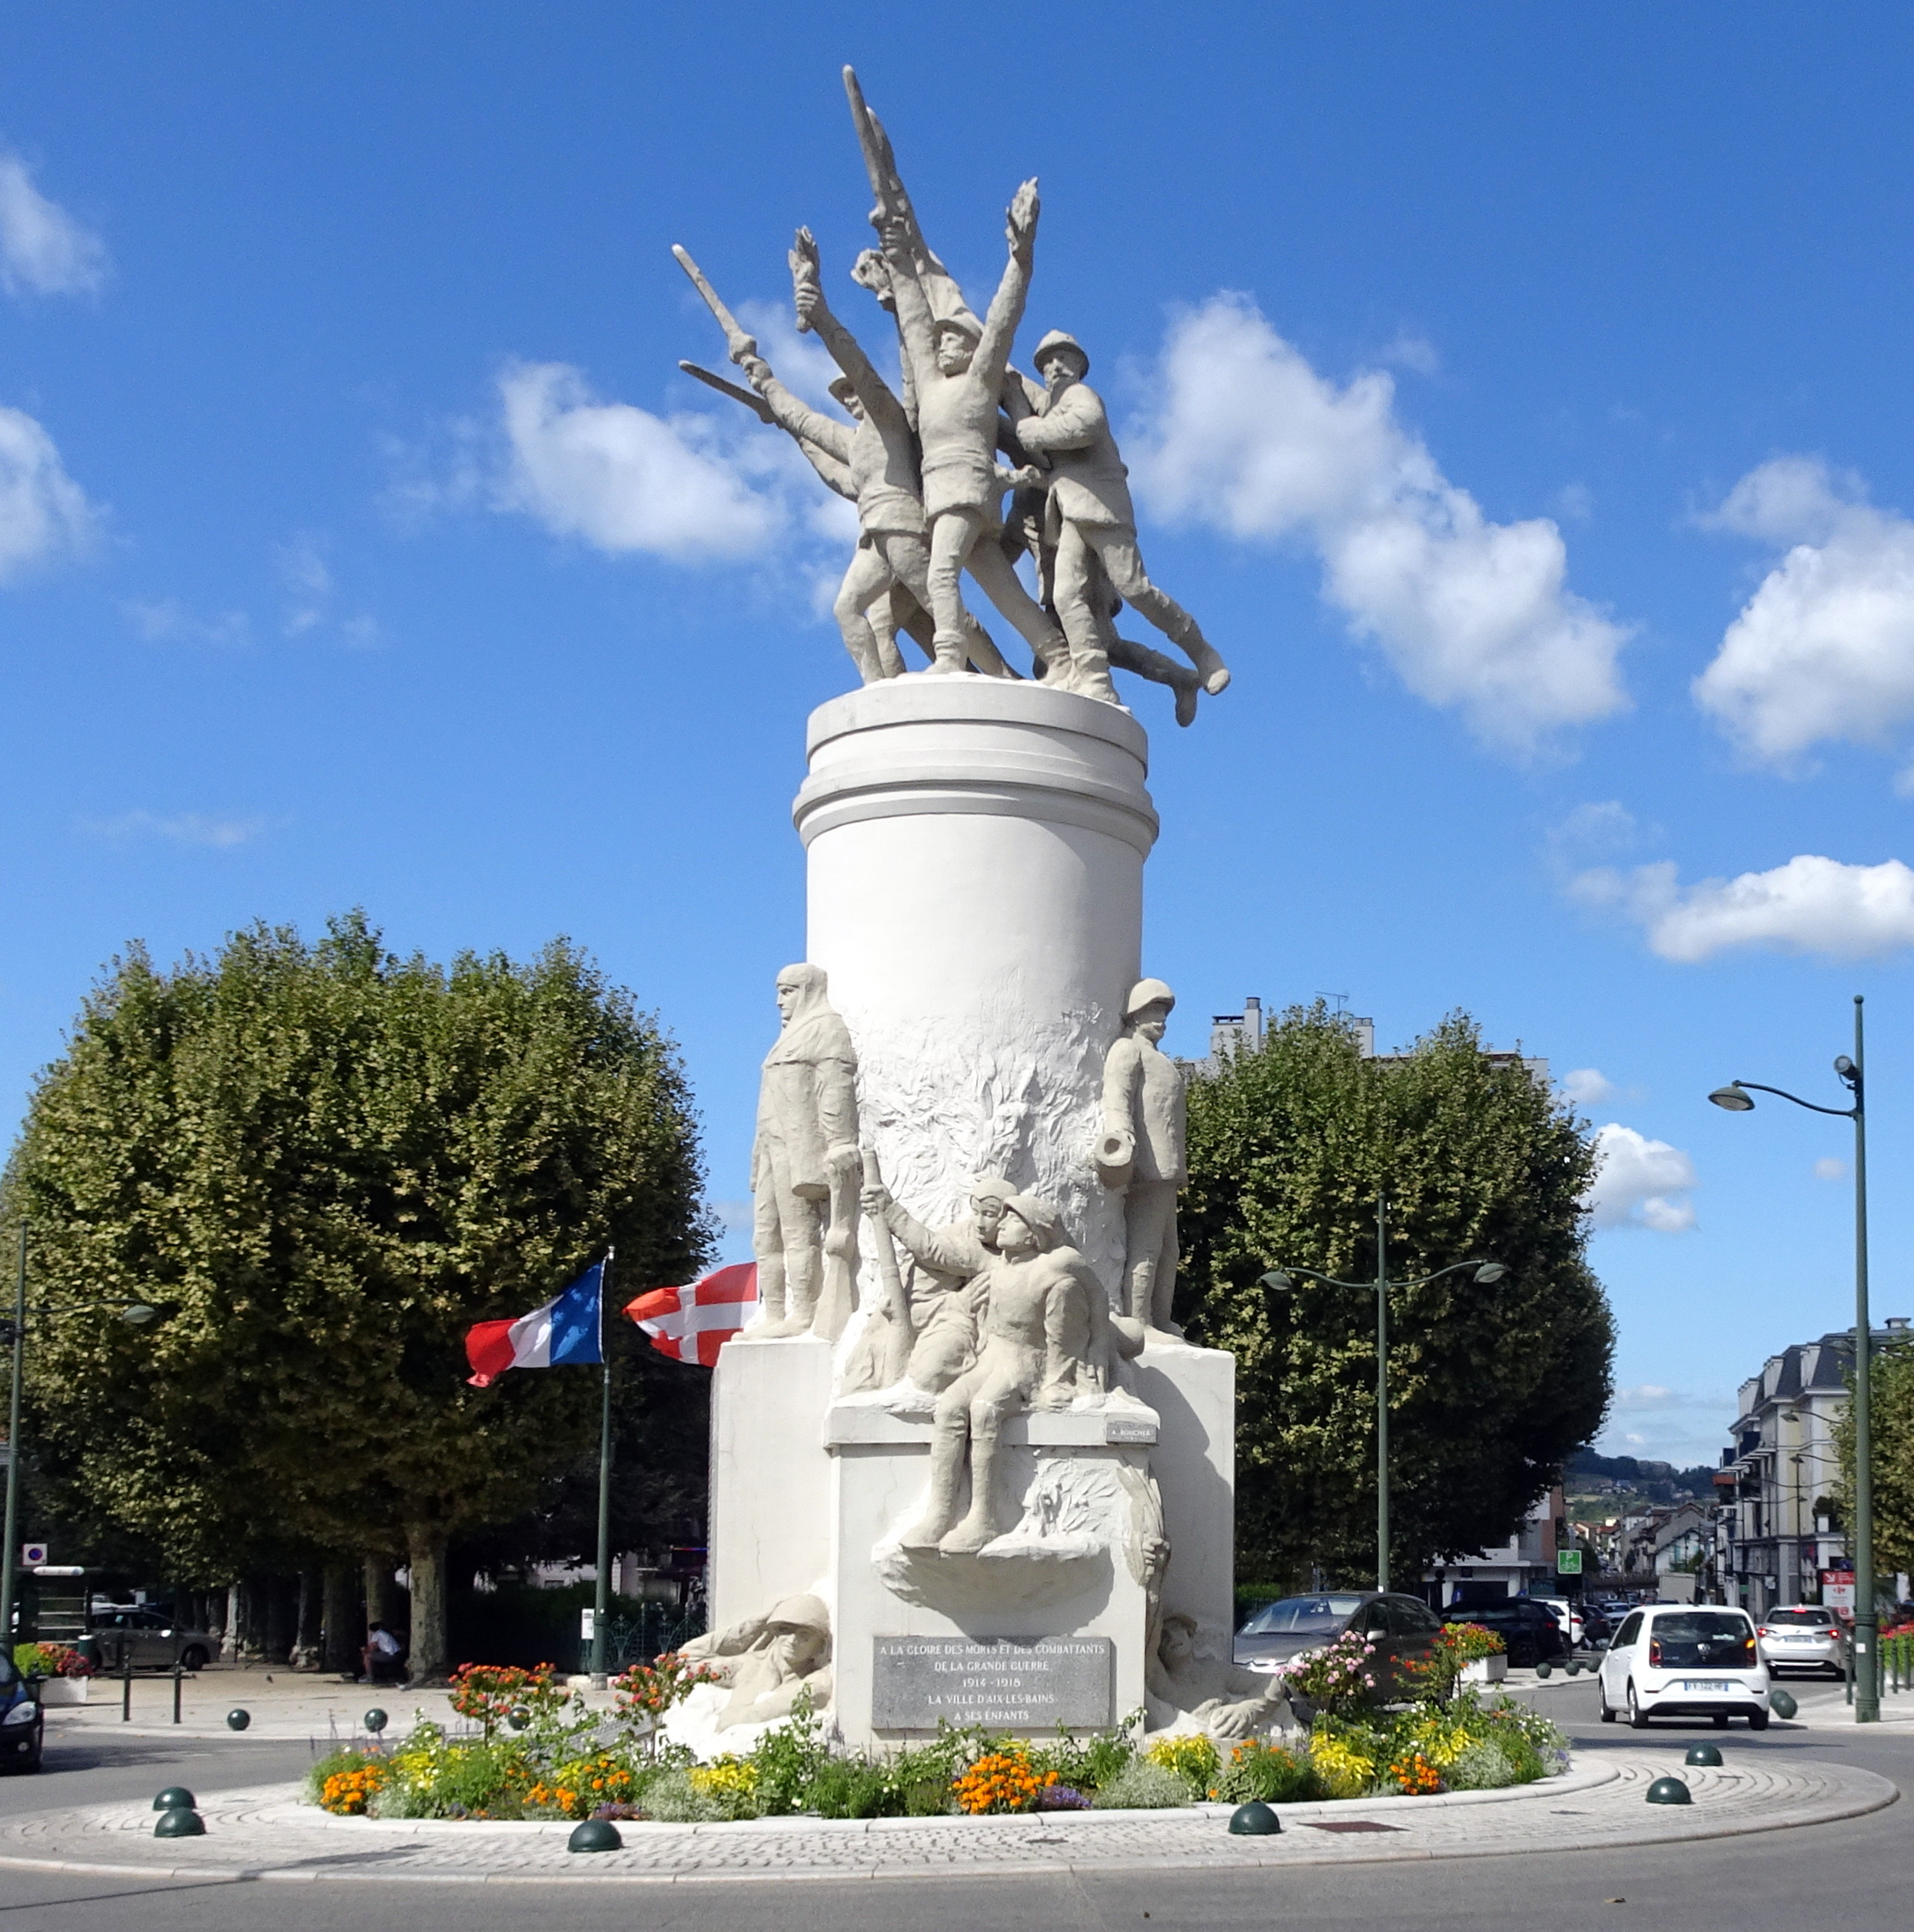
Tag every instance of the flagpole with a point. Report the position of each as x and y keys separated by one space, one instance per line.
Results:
x=602 y=1613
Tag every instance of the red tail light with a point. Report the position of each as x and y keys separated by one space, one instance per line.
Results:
x=1654 y=1653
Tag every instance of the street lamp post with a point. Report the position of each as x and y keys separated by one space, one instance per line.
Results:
x=1737 y=1098
x=1281 y=1280
x=15 y=1331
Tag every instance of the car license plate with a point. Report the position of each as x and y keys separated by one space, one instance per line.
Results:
x=1708 y=1683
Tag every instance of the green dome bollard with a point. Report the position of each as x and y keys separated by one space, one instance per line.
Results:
x=1544 y=1668
x=176 y=1797
x=182 y=1822
x=1573 y=1667
x=1782 y=1704
x=1668 y=1790
x=1702 y=1755
x=238 y=1720
x=519 y=1719
x=375 y=1721
x=595 y=1834
x=1254 y=1820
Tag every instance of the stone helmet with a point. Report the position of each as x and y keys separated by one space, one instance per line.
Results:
x=1056 y=339
x=962 y=322
x=1147 y=992
x=803 y=1612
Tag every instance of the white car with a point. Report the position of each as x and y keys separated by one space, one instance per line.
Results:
x=1680 y=1660
x=1803 y=1637
x=1567 y=1615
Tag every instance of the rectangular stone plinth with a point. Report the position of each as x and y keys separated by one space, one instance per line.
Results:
x=1029 y=1687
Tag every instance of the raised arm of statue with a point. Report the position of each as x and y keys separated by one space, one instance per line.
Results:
x=915 y=323
x=1006 y=307
x=814 y=312
x=793 y=414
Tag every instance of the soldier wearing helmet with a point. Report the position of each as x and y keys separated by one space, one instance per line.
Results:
x=1142 y=1152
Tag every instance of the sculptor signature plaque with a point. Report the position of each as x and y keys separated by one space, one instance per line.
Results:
x=1024 y=1684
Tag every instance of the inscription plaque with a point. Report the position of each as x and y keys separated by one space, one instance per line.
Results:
x=1020 y=1684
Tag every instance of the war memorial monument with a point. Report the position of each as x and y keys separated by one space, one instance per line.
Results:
x=965 y=1466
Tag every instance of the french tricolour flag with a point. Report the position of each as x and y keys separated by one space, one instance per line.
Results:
x=566 y=1331
x=692 y=1324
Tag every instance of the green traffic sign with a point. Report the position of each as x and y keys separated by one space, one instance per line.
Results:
x=1568 y=1562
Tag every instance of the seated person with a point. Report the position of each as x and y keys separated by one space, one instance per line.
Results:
x=383 y=1659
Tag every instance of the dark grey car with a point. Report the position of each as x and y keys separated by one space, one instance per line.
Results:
x=1400 y=1627
x=152 y=1637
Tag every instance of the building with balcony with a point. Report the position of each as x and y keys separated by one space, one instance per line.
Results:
x=1777 y=1480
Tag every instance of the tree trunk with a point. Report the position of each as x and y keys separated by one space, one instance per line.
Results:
x=229 y=1633
x=425 y=1552
x=309 y=1625
x=276 y=1633
x=343 y=1630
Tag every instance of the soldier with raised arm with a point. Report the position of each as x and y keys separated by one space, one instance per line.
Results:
x=1090 y=496
x=957 y=367
x=881 y=453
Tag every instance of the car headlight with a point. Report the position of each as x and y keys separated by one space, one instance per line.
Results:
x=22 y=1713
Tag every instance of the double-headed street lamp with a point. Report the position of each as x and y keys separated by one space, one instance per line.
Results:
x=15 y=1331
x=1737 y=1098
x=1282 y=1281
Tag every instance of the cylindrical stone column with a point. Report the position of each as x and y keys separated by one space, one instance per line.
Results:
x=975 y=849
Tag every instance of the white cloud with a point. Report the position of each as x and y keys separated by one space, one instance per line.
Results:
x=1246 y=438
x=1830 y=1167
x=1809 y=905
x=1637 y=1182
x=1586 y=1087
x=303 y=569
x=165 y=620
x=622 y=479
x=44 y=513
x=1824 y=649
x=182 y=829
x=43 y=250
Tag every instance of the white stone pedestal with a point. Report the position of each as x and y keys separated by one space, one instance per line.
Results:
x=975 y=852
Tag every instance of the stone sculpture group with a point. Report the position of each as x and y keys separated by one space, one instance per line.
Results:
x=924 y=468
x=965 y=1466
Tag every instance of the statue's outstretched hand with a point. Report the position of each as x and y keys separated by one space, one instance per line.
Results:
x=1022 y=227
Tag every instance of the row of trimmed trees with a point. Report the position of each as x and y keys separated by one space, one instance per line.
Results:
x=322 y=1163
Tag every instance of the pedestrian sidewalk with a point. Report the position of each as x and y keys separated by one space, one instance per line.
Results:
x=1825 y=1706
x=282 y=1704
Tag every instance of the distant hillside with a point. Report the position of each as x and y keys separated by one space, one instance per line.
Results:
x=1660 y=1482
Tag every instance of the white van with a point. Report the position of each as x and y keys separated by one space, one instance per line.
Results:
x=1671 y=1660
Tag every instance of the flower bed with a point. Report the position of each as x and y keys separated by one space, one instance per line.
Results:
x=537 y=1751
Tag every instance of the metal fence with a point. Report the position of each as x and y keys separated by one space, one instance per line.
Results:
x=656 y=1628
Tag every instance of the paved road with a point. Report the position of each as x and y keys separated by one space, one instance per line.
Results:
x=1863 y=1870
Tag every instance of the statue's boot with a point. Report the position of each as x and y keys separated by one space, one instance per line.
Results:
x=926 y=1535
x=1202 y=653
x=953 y=654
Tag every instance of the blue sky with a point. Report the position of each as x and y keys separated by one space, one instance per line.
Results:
x=1518 y=395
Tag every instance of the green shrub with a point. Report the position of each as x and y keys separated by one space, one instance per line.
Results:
x=1141 y=1786
x=786 y=1761
x=1193 y=1756
x=1482 y=1766
x=669 y=1796
x=851 y=1787
x=1087 y=1763
x=1268 y=1772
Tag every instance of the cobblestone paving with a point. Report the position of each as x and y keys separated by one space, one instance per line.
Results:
x=265 y=1833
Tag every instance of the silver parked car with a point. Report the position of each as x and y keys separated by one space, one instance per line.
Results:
x=1803 y=1637
x=152 y=1636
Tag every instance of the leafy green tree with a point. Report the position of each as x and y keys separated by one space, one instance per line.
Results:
x=1891 y=1418
x=324 y=1163
x=1492 y=1387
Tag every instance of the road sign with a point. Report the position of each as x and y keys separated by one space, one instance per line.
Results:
x=1837 y=1589
x=587 y=1622
x=1568 y=1562
x=32 y=1555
